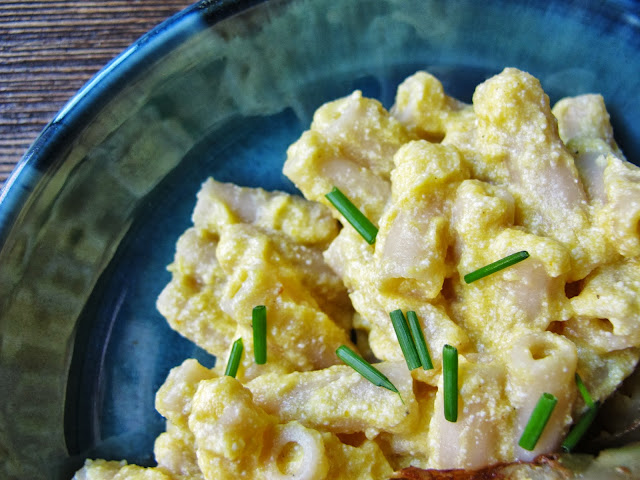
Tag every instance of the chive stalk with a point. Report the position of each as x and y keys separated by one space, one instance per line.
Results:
x=584 y=392
x=418 y=338
x=259 y=326
x=538 y=421
x=450 y=382
x=364 y=368
x=354 y=216
x=496 y=266
x=234 y=358
x=404 y=339
x=580 y=428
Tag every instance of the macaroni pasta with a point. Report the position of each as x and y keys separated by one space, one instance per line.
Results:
x=451 y=187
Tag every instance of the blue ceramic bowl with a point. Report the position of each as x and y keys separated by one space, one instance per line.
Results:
x=90 y=217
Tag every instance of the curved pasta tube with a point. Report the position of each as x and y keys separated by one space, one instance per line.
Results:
x=599 y=334
x=303 y=222
x=608 y=178
x=607 y=310
x=539 y=363
x=189 y=302
x=111 y=470
x=174 y=397
x=259 y=275
x=297 y=453
x=438 y=328
x=517 y=129
x=584 y=116
x=350 y=145
x=306 y=263
x=362 y=130
x=175 y=452
x=481 y=207
x=591 y=160
x=516 y=123
x=235 y=438
x=339 y=397
x=412 y=243
x=227 y=426
x=315 y=167
x=423 y=107
x=495 y=307
x=584 y=127
x=298 y=230
x=622 y=186
x=473 y=441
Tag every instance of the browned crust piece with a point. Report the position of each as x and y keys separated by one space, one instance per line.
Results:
x=499 y=471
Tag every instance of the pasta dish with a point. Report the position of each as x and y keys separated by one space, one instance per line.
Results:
x=459 y=287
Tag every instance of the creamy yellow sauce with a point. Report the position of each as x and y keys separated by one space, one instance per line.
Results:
x=451 y=187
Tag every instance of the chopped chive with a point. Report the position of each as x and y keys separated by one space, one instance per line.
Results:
x=234 y=358
x=538 y=420
x=354 y=216
x=405 y=340
x=259 y=326
x=418 y=338
x=450 y=382
x=364 y=368
x=580 y=428
x=496 y=266
x=584 y=392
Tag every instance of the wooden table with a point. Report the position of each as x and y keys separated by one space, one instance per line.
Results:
x=48 y=51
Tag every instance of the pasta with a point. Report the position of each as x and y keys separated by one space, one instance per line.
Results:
x=480 y=424
x=542 y=362
x=450 y=187
x=340 y=397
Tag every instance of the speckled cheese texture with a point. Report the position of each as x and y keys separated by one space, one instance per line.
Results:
x=451 y=187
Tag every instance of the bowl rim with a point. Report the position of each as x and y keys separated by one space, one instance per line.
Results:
x=89 y=100
x=112 y=77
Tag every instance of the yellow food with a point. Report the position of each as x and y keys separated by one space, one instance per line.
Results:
x=451 y=187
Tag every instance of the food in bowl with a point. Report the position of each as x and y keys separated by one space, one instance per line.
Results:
x=436 y=192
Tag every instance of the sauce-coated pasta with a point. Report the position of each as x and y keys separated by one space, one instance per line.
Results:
x=451 y=187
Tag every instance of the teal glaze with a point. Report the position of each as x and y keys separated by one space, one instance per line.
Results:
x=89 y=220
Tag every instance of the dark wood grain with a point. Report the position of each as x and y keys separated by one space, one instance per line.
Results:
x=48 y=51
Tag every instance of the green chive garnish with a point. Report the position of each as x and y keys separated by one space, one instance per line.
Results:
x=259 y=325
x=584 y=392
x=538 y=420
x=364 y=368
x=580 y=428
x=496 y=266
x=234 y=358
x=404 y=339
x=354 y=216
x=418 y=338
x=450 y=382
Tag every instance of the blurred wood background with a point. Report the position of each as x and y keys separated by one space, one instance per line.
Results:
x=50 y=48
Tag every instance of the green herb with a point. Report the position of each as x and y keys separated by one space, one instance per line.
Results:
x=538 y=421
x=234 y=358
x=418 y=338
x=580 y=428
x=259 y=326
x=584 y=392
x=405 y=340
x=354 y=216
x=450 y=382
x=364 y=368
x=496 y=266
